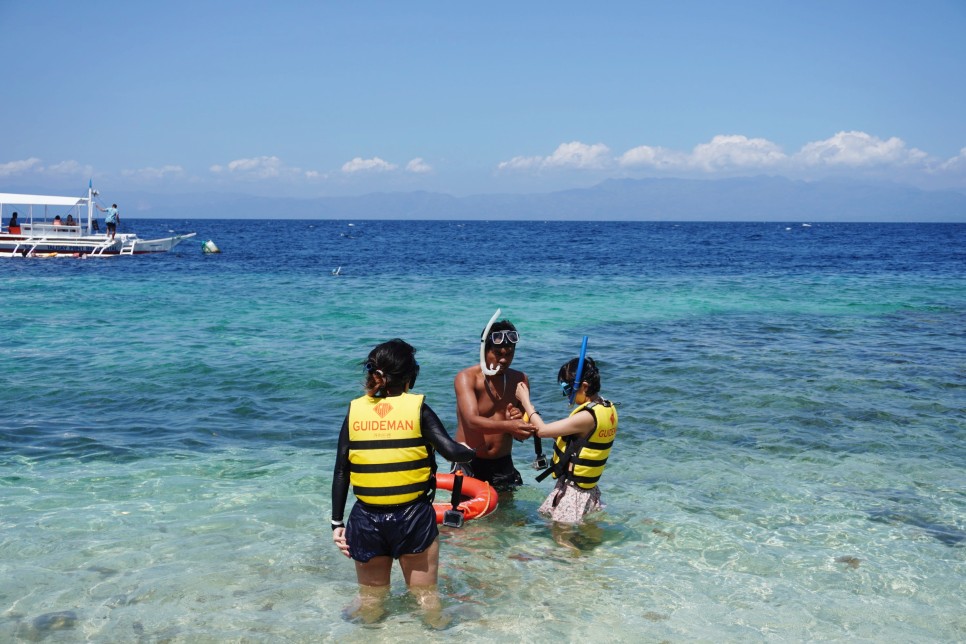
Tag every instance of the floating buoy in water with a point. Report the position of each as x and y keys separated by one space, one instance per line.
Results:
x=209 y=247
x=479 y=497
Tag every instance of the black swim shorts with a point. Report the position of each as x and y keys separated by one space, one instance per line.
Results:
x=498 y=472
x=404 y=530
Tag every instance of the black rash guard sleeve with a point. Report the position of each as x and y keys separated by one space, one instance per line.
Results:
x=435 y=433
x=340 y=478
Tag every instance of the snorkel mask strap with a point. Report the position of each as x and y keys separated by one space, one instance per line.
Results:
x=580 y=369
x=486 y=333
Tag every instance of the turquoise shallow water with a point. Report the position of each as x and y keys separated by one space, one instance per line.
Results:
x=789 y=465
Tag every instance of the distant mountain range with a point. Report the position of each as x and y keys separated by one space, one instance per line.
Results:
x=740 y=199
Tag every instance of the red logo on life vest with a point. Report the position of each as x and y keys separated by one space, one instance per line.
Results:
x=607 y=433
x=382 y=409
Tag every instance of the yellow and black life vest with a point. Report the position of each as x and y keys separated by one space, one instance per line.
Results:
x=582 y=459
x=390 y=463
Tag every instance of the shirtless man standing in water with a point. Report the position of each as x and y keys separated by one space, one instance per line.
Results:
x=488 y=413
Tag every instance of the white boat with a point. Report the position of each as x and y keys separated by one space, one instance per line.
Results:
x=39 y=235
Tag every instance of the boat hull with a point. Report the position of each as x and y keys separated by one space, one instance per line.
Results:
x=85 y=245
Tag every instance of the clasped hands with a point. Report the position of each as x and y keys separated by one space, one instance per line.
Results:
x=521 y=430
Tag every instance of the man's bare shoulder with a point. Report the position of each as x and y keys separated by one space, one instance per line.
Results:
x=469 y=376
x=472 y=370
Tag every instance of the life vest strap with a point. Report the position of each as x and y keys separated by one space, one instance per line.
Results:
x=457 y=495
x=544 y=474
x=566 y=458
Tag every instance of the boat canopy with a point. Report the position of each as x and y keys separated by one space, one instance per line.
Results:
x=39 y=200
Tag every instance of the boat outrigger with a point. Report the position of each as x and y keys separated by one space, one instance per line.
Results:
x=36 y=235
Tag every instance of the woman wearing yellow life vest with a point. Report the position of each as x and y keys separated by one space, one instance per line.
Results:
x=386 y=453
x=583 y=442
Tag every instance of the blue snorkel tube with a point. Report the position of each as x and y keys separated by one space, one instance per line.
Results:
x=580 y=369
x=573 y=394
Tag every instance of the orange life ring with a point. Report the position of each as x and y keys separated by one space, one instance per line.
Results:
x=482 y=499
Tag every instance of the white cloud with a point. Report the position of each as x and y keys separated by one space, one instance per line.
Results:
x=520 y=163
x=573 y=155
x=35 y=166
x=18 y=167
x=723 y=152
x=375 y=164
x=955 y=163
x=418 y=166
x=580 y=155
x=736 y=151
x=264 y=168
x=155 y=174
x=654 y=157
x=858 y=149
x=846 y=151
x=70 y=168
x=256 y=168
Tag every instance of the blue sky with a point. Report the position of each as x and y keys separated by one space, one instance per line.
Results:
x=344 y=98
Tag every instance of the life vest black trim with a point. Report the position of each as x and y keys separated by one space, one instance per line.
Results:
x=398 y=443
x=393 y=491
x=583 y=479
x=590 y=462
x=379 y=468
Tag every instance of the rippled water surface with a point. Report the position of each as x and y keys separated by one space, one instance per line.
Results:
x=790 y=462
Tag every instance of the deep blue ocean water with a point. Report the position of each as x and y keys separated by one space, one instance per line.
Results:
x=789 y=467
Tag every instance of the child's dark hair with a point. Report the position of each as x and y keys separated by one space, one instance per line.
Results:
x=502 y=325
x=395 y=361
x=590 y=375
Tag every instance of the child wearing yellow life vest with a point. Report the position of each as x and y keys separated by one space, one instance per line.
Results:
x=583 y=442
x=386 y=453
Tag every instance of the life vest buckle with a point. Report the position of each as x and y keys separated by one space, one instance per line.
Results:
x=453 y=518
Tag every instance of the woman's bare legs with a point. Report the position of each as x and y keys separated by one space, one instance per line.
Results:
x=421 y=572
x=373 y=577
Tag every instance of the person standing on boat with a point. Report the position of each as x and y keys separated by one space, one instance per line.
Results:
x=112 y=219
x=488 y=413
x=14 y=226
x=387 y=453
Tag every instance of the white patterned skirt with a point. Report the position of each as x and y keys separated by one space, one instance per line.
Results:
x=568 y=503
